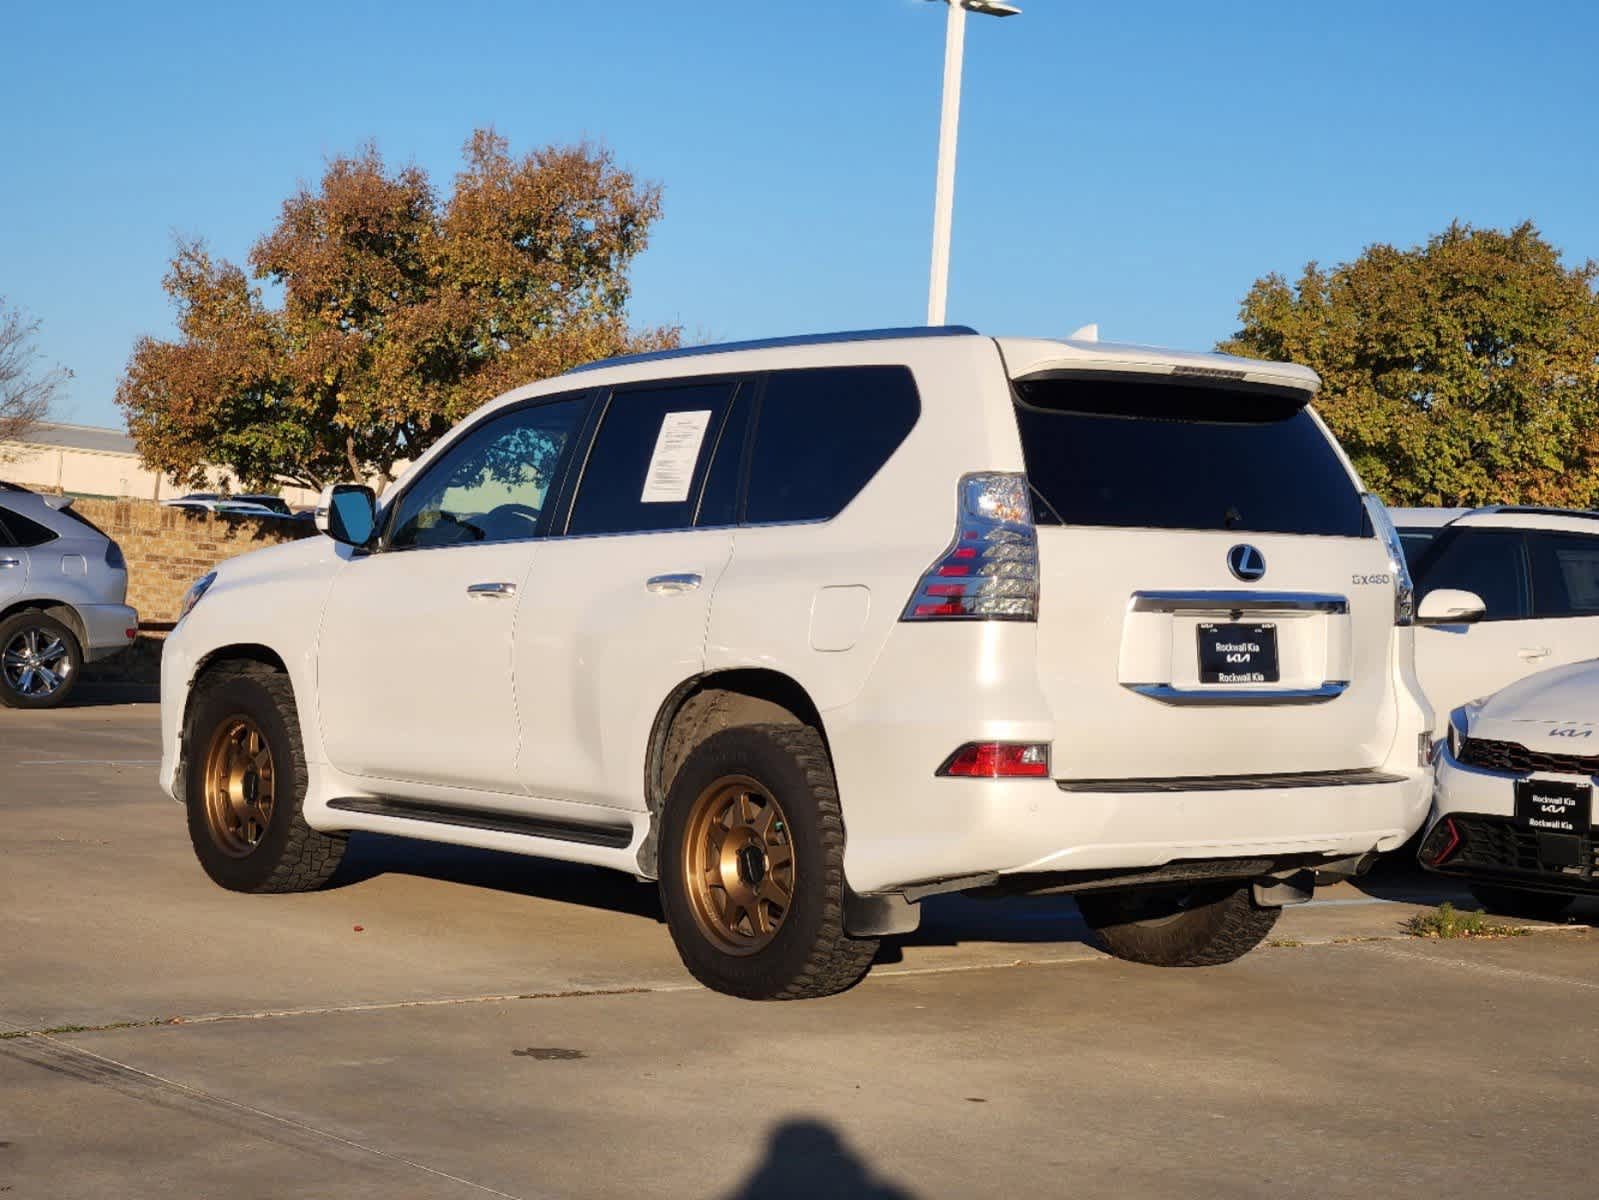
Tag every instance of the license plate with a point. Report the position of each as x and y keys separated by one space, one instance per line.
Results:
x=1235 y=653
x=1552 y=807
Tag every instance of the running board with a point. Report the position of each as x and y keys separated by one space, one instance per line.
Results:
x=586 y=833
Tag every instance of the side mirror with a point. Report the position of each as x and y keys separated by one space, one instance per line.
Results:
x=1450 y=606
x=348 y=513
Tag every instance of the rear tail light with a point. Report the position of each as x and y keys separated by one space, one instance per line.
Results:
x=113 y=557
x=1443 y=841
x=990 y=570
x=998 y=760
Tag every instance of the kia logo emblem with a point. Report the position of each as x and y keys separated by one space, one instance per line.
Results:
x=1246 y=563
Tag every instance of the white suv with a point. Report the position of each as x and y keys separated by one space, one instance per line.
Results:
x=1533 y=574
x=809 y=630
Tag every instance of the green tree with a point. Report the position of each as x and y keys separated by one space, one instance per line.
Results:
x=1461 y=372
x=400 y=313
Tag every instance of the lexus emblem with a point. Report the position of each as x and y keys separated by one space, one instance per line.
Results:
x=1246 y=563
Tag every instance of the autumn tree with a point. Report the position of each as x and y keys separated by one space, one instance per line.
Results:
x=26 y=389
x=401 y=311
x=1461 y=372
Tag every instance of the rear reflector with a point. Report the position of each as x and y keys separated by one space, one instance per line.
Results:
x=1443 y=841
x=998 y=760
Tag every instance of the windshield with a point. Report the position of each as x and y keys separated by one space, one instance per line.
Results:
x=1166 y=455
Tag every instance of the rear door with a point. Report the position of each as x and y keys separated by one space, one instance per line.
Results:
x=1457 y=663
x=1214 y=600
x=614 y=614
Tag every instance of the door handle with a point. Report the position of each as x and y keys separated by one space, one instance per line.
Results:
x=500 y=590
x=6 y=563
x=672 y=585
x=1533 y=653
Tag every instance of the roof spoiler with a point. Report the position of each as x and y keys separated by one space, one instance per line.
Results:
x=58 y=502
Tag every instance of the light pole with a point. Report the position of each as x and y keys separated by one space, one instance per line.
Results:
x=948 y=127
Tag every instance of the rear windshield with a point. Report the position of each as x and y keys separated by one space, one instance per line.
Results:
x=1159 y=455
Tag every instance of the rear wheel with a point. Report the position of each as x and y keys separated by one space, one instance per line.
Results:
x=1518 y=902
x=752 y=867
x=245 y=785
x=1193 y=927
x=40 y=660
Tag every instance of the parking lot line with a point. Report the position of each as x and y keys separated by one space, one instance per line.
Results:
x=89 y=762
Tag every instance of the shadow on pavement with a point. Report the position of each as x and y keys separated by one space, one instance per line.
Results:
x=93 y=694
x=373 y=854
x=807 y=1159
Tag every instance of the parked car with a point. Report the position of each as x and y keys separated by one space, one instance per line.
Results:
x=251 y=505
x=227 y=506
x=809 y=630
x=1535 y=572
x=1513 y=806
x=63 y=584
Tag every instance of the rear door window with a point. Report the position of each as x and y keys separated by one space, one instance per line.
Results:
x=1109 y=450
x=1565 y=574
x=648 y=460
x=1490 y=562
x=821 y=436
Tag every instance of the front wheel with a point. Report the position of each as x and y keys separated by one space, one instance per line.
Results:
x=245 y=785
x=752 y=867
x=1518 y=902
x=1191 y=927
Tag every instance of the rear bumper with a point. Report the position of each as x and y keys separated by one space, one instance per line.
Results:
x=970 y=827
x=105 y=628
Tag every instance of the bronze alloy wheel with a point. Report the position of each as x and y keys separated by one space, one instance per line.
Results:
x=240 y=786
x=738 y=865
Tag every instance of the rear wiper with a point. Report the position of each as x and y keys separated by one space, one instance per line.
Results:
x=1032 y=487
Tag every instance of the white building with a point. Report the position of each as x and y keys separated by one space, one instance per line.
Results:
x=87 y=460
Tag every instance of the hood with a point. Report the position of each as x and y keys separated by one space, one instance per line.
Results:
x=285 y=557
x=1556 y=710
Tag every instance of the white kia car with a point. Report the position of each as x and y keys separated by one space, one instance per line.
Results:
x=1513 y=806
x=1535 y=574
x=811 y=629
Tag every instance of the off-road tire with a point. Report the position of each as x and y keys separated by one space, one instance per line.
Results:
x=33 y=619
x=1519 y=902
x=1203 y=927
x=291 y=856
x=811 y=955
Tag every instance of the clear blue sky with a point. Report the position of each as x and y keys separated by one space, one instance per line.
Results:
x=1132 y=164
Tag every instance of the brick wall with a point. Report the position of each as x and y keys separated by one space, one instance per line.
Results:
x=169 y=548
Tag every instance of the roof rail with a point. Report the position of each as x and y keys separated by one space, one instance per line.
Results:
x=1536 y=510
x=806 y=339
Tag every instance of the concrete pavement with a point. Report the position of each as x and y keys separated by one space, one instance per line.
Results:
x=510 y=1027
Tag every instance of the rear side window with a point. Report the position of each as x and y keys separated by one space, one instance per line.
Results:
x=23 y=531
x=1492 y=563
x=822 y=435
x=1157 y=455
x=1565 y=574
x=647 y=465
